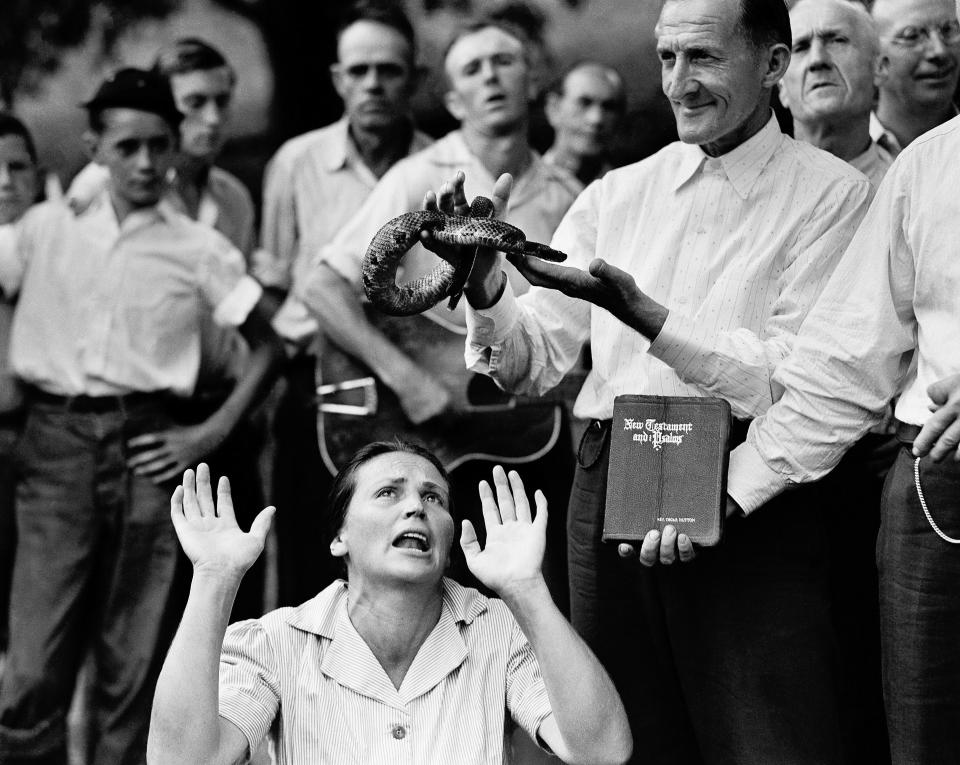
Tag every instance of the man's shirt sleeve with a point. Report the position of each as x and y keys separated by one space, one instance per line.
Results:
x=739 y=365
x=14 y=248
x=848 y=361
x=224 y=283
x=528 y=344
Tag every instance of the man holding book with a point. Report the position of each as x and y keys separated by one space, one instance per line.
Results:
x=701 y=264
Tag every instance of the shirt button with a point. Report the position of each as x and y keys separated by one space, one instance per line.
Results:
x=399 y=732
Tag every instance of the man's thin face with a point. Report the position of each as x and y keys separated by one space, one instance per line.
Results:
x=709 y=71
x=831 y=74
x=18 y=178
x=586 y=115
x=374 y=75
x=489 y=80
x=138 y=149
x=923 y=65
x=204 y=98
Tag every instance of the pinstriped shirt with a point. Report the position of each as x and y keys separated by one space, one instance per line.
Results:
x=308 y=676
x=737 y=247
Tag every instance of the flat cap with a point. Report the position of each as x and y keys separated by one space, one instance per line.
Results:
x=140 y=89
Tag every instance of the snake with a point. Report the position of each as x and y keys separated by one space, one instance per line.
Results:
x=397 y=236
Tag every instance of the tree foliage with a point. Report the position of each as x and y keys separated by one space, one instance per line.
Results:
x=35 y=33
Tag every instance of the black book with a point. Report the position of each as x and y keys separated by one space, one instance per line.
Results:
x=668 y=465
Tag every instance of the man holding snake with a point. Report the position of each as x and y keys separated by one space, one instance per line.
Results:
x=701 y=263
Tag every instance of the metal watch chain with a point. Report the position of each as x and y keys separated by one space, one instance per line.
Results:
x=926 y=510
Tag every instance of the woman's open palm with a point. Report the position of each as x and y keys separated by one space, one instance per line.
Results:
x=513 y=555
x=209 y=533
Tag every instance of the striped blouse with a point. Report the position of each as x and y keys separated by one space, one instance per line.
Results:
x=307 y=677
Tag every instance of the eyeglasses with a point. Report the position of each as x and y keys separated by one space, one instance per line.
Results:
x=914 y=37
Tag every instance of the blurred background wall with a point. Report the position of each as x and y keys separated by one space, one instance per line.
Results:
x=53 y=52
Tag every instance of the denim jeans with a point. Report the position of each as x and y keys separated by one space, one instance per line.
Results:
x=94 y=564
x=726 y=660
x=920 y=612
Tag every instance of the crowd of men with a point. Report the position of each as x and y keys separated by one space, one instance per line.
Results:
x=810 y=281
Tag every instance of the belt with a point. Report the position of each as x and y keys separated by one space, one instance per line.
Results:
x=94 y=404
x=906 y=433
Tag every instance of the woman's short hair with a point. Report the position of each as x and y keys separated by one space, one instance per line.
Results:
x=345 y=484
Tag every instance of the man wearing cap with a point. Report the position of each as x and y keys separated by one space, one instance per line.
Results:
x=107 y=339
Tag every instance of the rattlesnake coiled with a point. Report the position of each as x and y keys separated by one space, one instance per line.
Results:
x=391 y=242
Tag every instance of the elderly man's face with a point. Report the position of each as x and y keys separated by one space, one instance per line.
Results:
x=489 y=81
x=374 y=74
x=586 y=114
x=921 y=39
x=832 y=70
x=711 y=73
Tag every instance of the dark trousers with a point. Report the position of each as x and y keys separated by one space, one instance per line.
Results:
x=553 y=475
x=301 y=484
x=850 y=501
x=920 y=612
x=729 y=659
x=94 y=565
x=9 y=432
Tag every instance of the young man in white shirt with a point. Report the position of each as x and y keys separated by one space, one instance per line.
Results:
x=106 y=338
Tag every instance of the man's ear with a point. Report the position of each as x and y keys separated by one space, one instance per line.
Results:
x=338 y=548
x=451 y=99
x=91 y=145
x=881 y=70
x=782 y=95
x=550 y=106
x=336 y=77
x=778 y=61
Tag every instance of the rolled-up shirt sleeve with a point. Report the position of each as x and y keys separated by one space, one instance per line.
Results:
x=249 y=689
x=849 y=360
x=739 y=365
x=224 y=283
x=527 y=700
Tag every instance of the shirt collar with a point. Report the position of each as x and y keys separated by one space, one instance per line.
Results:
x=882 y=136
x=341 y=152
x=742 y=165
x=101 y=212
x=319 y=614
x=349 y=661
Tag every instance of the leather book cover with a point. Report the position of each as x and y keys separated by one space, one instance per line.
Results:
x=668 y=465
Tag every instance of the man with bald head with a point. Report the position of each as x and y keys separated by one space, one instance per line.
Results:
x=690 y=273
x=830 y=84
x=584 y=109
x=921 y=39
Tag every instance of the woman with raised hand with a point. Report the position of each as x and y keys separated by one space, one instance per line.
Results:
x=397 y=663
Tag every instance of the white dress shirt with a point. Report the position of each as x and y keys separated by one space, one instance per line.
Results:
x=108 y=308
x=737 y=247
x=541 y=195
x=313 y=185
x=889 y=318
x=873 y=163
x=306 y=674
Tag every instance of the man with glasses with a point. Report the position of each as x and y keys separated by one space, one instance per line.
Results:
x=921 y=40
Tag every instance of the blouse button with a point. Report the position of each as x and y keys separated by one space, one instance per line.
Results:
x=399 y=732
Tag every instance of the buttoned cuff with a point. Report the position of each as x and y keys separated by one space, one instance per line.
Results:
x=234 y=309
x=490 y=326
x=681 y=343
x=294 y=322
x=750 y=481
